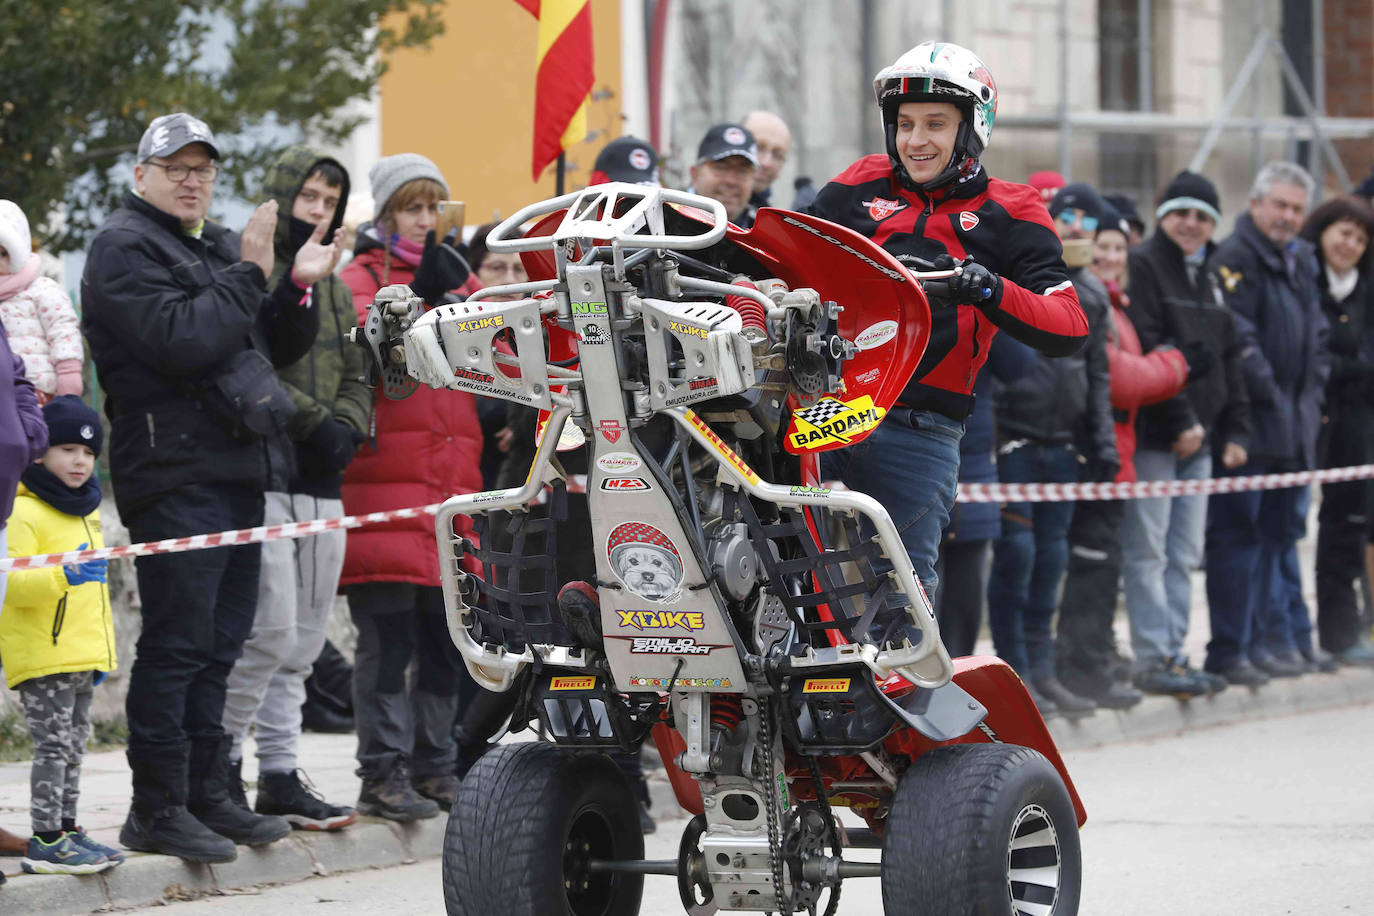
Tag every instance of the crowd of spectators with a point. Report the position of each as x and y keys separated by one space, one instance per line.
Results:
x=235 y=399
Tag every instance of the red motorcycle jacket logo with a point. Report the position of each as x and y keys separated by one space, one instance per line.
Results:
x=880 y=208
x=967 y=221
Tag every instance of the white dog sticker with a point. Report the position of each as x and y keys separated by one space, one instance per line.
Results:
x=646 y=560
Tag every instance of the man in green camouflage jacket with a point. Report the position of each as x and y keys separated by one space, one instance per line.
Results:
x=299 y=577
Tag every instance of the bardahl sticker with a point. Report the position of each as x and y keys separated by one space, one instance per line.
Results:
x=831 y=421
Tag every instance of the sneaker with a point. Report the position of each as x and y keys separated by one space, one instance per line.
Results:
x=174 y=831
x=293 y=797
x=1360 y=655
x=83 y=839
x=442 y=788
x=1215 y=683
x=1317 y=660
x=1118 y=696
x=1281 y=665
x=1242 y=674
x=63 y=856
x=391 y=796
x=1070 y=704
x=1171 y=681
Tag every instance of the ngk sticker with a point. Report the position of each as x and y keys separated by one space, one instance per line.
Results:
x=875 y=335
x=619 y=462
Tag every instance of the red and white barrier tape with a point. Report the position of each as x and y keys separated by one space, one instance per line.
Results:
x=968 y=492
x=1145 y=489
x=218 y=539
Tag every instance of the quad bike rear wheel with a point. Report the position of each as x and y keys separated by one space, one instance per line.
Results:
x=981 y=829
x=528 y=819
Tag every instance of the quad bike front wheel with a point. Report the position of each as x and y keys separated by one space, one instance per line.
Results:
x=528 y=819
x=981 y=829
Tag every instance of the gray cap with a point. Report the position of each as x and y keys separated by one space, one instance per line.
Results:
x=169 y=133
x=388 y=174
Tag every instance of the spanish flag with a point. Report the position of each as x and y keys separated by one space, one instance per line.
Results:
x=564 y=80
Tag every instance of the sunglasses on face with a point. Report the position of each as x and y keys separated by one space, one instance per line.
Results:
x=1073 y=218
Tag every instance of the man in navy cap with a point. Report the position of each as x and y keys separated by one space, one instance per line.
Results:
x=726 y=161
x=627 y=159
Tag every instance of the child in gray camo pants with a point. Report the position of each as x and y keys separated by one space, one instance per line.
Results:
x=57 y=634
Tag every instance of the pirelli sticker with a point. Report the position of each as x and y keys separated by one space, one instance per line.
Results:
x=830 y=422
x=826 y=685
x=572 y=683
x=726 y=453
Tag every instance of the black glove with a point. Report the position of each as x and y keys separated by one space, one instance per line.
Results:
x=1199 y=358
x=329 y=449
x=1105 y=471
x=976 y=285
x=442 y=268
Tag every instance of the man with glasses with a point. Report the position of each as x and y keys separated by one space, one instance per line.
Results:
x=1175 y=300
x=185 y=333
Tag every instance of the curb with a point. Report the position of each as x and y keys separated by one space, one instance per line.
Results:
x=146 y=880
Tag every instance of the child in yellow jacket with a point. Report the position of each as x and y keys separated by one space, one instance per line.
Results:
x=57 y=633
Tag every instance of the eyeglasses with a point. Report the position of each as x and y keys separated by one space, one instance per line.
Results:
x=1075 y=218
x=179 y=173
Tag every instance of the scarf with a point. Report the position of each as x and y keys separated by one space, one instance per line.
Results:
x=13 y=284
x=406 y=251
x=1341 y=285
x=80 y=502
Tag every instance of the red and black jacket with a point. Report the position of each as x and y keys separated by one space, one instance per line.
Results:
x=1006 y=228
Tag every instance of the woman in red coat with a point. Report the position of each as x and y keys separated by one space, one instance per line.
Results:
x=420 y=450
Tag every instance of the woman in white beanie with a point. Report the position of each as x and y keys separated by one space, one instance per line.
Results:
x=36 y=312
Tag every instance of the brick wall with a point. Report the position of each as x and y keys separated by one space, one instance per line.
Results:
x=1350 y=75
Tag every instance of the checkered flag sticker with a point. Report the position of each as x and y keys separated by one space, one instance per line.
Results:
x=822 y=411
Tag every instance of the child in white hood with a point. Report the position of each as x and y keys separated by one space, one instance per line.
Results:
x=36 y=312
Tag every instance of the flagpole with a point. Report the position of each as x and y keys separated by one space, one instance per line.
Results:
x=558 y=179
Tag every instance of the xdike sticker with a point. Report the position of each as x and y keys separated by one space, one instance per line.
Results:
x=831 y=421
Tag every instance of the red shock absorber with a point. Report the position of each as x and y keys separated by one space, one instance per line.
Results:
x=750 y=311
x=726 y=711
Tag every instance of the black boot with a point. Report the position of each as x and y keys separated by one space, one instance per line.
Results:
x=238 y=792
x=209 y=799
x=158 y=820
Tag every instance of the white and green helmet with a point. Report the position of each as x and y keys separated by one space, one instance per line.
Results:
x=938 y=71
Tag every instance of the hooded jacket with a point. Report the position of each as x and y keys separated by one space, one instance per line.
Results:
x=1168 y=308
x=1068 y=400
x=326 y=382
x=164 y=313
x=39 y=318
x=23 y=434
x=49 y=626
x=1004 y=227
x=422 y=450
x=1279 y=297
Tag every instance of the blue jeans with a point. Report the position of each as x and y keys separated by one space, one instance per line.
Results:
x=1161 y=544
x=1282 y=624
x=1247 y=536
x=910 y=464
x=1030 y=559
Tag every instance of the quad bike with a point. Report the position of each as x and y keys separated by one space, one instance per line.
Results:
x=766 y=632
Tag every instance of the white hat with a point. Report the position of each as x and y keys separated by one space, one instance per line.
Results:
x=14 y=234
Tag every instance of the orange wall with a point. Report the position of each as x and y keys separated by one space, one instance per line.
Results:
x=467 y=102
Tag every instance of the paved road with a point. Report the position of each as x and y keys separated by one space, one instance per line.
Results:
x=1265 y=817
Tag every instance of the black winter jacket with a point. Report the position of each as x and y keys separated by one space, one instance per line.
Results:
x=163 y=312
x=1347 y=434
x=1004 y=227
x=1280 y=301
x=1166 y=308
x=1068 y=400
